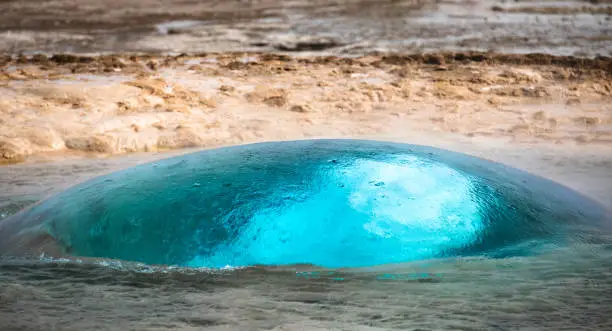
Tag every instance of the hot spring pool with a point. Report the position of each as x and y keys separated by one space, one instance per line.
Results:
x=310 y=235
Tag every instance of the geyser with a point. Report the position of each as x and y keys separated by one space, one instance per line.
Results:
x=332 y=203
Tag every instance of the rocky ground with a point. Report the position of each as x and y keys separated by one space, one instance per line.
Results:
x=212 y=73
x=121 y=104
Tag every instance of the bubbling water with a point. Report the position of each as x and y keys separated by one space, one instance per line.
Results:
x=331 y=203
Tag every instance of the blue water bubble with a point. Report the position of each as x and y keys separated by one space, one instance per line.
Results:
x=330 y=203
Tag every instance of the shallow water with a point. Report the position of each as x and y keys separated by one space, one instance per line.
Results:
x=564 y=290
x=560 y=287
x=346 y=27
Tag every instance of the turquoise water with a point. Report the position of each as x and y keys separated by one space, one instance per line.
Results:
x=330 y=203
x=358 y=212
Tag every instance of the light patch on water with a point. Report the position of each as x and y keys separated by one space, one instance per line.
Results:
x=430 y=197
x=370 y=213
x=268 y=20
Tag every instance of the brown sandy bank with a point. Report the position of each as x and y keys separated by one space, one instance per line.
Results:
x=556 y=110
x=121 y=104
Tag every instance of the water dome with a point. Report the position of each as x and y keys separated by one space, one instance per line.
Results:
x=330 y=203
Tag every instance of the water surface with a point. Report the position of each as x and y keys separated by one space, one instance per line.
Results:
x=365 y=235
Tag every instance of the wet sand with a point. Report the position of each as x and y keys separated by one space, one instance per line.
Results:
x=346 y=27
